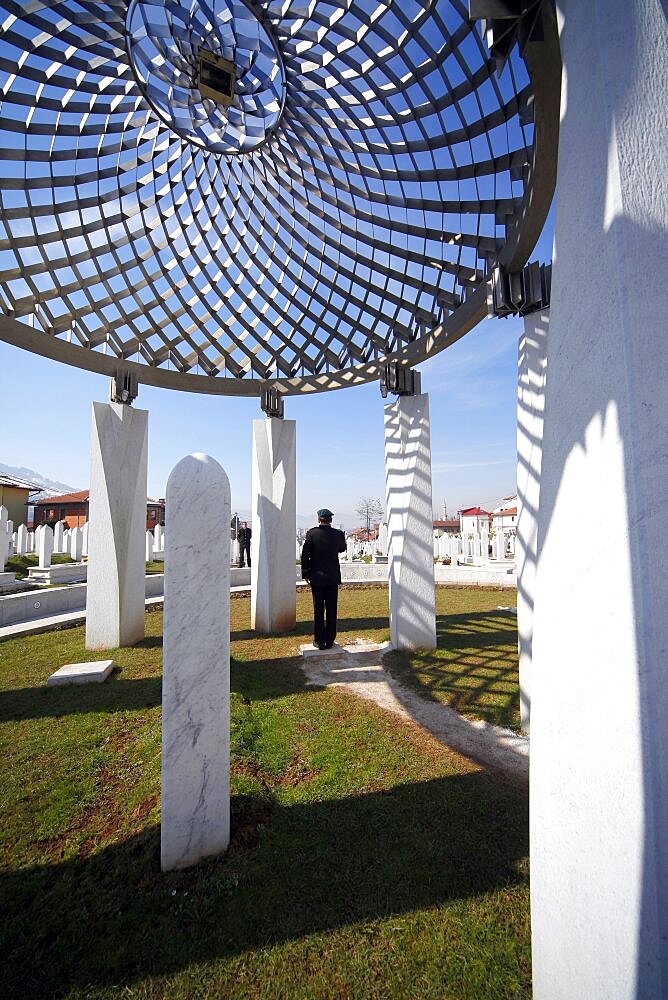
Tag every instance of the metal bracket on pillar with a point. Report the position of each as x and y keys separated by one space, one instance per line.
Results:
x=505 y=22
x=123 y=387
x=521 y=292
x=402 y=381
x=272 y=402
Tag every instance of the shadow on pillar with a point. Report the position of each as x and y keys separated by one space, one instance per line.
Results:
x=410 y=523
x=600 y=684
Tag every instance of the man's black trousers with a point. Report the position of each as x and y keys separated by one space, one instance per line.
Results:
x=244 y=550
x=324 y=613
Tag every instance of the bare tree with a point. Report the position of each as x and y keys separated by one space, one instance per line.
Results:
x=369 y=510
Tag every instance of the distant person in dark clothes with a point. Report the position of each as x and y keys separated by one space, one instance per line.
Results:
x=320 y=567
x=244 y=536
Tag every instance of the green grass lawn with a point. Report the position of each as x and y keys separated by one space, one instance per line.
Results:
x=474 y=668
x=366 y=861
x=21 y=564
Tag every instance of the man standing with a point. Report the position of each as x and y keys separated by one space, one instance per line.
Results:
x=320 y=567
x=244 y=539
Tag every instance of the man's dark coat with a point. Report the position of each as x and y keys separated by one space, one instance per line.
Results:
x=320 y=555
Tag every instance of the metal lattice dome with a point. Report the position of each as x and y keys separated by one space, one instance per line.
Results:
x=216 y=194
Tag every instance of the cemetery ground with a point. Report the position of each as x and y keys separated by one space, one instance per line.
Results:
x=366 y=860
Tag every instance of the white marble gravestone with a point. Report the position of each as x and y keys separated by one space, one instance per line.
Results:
x=58 y=532
x=21 y=540
x=382 y=539
x=44 y=546
x=76 y=544
x=274 y=497
x=5 y=537
x=117 y=514
x=410 y=523
x=84 y=541
x=149 y=546
x=196 y=665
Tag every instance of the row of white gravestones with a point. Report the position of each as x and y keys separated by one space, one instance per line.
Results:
x=474 y=545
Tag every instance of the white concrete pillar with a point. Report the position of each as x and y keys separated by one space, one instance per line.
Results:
x=195 y=820
x=274 y=498
x=410 y=523
x=158 y=538
x=58 y=532
x=117 y=514
x=599 y=684
x=84 y=540
x=44 y=546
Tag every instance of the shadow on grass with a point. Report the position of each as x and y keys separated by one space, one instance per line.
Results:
x=306 y=628
x=474 y=668
x=256 y=680
x=112 y=919
x=115 y=695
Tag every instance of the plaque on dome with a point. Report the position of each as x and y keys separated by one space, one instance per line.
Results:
x=216 y=78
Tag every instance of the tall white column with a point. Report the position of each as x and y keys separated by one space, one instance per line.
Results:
x=117 y=515
x=531 y=370
x=599 y=711
x=410 y=523
x=195 y=820
x=274 y=498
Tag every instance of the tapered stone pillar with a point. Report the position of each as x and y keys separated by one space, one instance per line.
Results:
x=530 y=407
x=195 y=820
x=599 y=688
x=273 y=590
x=117 y=515
x=410 y=523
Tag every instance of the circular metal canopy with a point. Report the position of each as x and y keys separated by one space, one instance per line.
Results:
x=214 y=194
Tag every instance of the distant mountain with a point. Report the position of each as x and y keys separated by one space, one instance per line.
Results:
x=50 y=486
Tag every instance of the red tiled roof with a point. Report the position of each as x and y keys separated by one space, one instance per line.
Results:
x=469 y=511
x=502 y=513
x=451 y=522
x=80 y=497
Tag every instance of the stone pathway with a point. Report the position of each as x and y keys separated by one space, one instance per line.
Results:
x=358 y=667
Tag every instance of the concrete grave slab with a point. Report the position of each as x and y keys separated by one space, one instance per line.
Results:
x=82 y=673
x=308 y=651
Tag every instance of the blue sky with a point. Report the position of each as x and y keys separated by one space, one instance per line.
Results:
x=45 y=412
x=45 y=419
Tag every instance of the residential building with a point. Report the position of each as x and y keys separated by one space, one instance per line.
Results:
x=474 y=519
x=15 y=494
x=72 y=509
x=446 y=526
x=504 y=517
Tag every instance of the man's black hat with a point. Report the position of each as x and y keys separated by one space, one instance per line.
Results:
x=325 y=515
